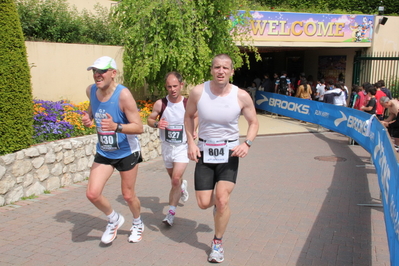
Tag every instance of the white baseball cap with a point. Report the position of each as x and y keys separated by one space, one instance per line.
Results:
x=104 y=62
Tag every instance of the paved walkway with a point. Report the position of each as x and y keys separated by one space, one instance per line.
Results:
x=295 y=203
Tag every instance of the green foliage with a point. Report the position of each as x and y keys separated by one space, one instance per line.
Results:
x=56 y=21
x=33 y=196
x=16 y=115
x=393 y=84
x=166 y=35
x=328 y=6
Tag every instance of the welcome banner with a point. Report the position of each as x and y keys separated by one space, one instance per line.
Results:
x=365 y=130
x=307 y=27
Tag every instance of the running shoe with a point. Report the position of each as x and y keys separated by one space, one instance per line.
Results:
x=217 y=253
x=184 y=192
x=169 y=218
x=112 y=228
x=135 y=233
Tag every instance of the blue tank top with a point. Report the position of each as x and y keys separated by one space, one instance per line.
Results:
x=110 y=144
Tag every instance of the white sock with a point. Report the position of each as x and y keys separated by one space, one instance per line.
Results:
x=113 y=217
x=137 y=220
x=172 y=208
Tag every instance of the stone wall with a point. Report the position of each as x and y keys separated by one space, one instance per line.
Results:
x=52 y=165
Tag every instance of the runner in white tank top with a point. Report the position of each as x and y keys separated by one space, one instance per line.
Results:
x=219 y=105
x=174 y=141
x=218 y=116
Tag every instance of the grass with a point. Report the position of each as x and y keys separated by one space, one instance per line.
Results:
x=33 y=196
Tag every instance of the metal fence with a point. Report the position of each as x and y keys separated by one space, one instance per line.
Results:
x=372 y=67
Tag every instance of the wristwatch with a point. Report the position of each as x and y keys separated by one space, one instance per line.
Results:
x=118 y=128
x=156 y=124
x=248 y=142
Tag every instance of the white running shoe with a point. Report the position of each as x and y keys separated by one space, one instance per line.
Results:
x=184 y=192
x=217 y=252
x=135 y=233
x=112 y=228
x=169 y=218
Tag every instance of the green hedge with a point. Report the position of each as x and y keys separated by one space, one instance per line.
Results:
x=56 y=21
x=331 y=6
x=16 y=107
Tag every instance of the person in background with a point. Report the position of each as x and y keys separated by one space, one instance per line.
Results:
x=118 y=122
x=385 y=89
x=168 y=116
x=378 y=95
x=252 y=91
x=371 y=106
x=354 y=96
x=335 y=95
x=361 y=99
x=283 y=84
x=304 y=90
x=218 y=151
x=320 y=90
x=267 y=83
x=392 y=121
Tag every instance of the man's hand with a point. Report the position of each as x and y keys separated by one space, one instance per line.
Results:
x=108 y=124
x=162 y=123
x=193 y=152
x=240 y=150
x=86 y=121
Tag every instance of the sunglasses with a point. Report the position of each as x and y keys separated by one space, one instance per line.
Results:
x=99 y=71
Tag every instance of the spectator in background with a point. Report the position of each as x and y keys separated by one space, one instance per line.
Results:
x=366 y=85
x=330 y=85
x=298 y=82
x=392 y=122
x=378 y=95
x=341 y=99
x=346 y=91
x=335 y=95
x=361 y=98
x=320 y=90
x=385 y=89
x=252 y=91
x=267 y=83
x=257 y=81
x=371 y=106
x=354 y=96
x=312 y=86
x=304 y=90
x=283 y=84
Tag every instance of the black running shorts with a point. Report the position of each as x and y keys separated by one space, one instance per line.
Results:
x=123 y=164
x=208 y=174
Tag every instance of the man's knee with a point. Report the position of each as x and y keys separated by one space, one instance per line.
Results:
x=129 y=196
x=93 y=195
x=176 y=181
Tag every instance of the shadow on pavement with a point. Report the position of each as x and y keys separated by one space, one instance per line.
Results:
x=330 y=240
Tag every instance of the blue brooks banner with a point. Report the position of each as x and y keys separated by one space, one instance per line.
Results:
x=365 y=130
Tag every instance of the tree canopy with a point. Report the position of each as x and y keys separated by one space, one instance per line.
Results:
x=182 y=35
x=327 y=6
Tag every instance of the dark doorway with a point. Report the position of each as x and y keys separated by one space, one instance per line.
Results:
x=273 y=62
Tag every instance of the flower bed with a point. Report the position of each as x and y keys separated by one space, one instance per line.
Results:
x=63 y=119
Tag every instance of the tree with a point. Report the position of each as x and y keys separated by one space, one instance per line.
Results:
x=183 y=35
x=16 y=115
x=327 y=6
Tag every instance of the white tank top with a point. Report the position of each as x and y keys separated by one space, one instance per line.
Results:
x=174 y=115
x=218 y=116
